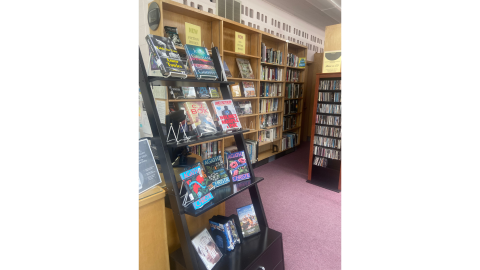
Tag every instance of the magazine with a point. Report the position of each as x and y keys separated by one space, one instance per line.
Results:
x=227 y=115
x=245 y=68
x=248 y=220
x=207 y=249
x=238 y=167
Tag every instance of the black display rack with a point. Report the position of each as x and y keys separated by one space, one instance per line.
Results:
x=261 y=251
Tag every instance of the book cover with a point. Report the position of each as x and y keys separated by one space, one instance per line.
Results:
x=222 y=236
x=227 y=115
x=227 y=70
x=239 y=110
x=165 y=56
x=195 y=182
x=172 y=33
x=236 y=91
x=189 y=92
x=215 y=171
x=200 y=118
x=248 y=89
x=214 y=92
x=201 y=62
x=245 y=68
x=208 y=251
x=248 y=220
x=202 y=92
x=246 y=106
x=301 y=62
x=176 y=92
x=238 y=167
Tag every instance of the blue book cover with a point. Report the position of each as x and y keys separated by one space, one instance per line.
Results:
x=238 y=167
x=215 y=171
x=201 y=62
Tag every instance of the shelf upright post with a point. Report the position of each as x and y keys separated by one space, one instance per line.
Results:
x=169 y=176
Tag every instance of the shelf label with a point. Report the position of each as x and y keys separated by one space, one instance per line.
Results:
x=193 y=34
x=239 y=42
x=332 y=62
x=148 y=173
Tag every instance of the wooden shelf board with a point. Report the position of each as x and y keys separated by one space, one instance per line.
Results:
x=244 y=98
x=265 y=143
x=193 y=99
x=292 y=114
x=288 y=130
x=293 y=82
x=270 y=112
x=292 y=98
x=241 y=79
x=270 y=127
x=295 y=45
x=272 y=81
x=247 y=115
x=273 y=97
x=299 y=68
x=271 y=64
x=225 y=52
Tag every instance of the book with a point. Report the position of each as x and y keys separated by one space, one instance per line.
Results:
x=245 y=69
x=200 y=118
x=214 y=92
x=227 y=115
x=176 y=92
x=221 y=234
x=248 y=220
x=195 y=182
x=238 y=167
x=236 y=91
x=248 y=89
x=208 y=251
x=246 y=107
x=164 y=57
x=227 y=70
x=202 y=92
x=172 y=34
x=189 y=92
x=201 y=63
x=215 y=171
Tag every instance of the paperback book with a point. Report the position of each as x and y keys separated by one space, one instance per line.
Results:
x=227 y=115
x=176 y=92
x=202 y=92
x=202 y=64
x=214 y=92
x=164 y=57
x=248 y=220
x=216 y=172
x=208 y=181
x=248 y=89
x=222 y=235
x=207 y=249
x=189 y=92
x=227 y=70
x=238 y=167
x=236 y=91
x=200 y=118
x=245 y=69
x=172 y=34
x=196 y=186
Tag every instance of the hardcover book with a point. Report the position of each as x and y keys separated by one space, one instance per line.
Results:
x=246 y=107
x=189 y=92
x=248 y=89
x=227 y=115
x=202 y=64
x=236 y=91
x=202 y=92
x=176 y=92
x=222 y=235
x=214 y=92
x=248 y=220
x=238 y=167
x=172 y=33
x=195 y=182
x=216 y=172
x=227 y=70
x=200 y=118
x=165 y=57
x=239 y=110
x=245 y=68
x=207 y=249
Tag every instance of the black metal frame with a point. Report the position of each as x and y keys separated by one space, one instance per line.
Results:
x=189 y=253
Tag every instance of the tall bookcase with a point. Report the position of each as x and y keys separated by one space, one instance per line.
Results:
x=329 y=176
x=220 y=32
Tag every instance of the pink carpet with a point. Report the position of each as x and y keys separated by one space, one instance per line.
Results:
x=308 y=216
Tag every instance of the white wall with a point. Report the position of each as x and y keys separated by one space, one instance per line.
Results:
x=264 y=8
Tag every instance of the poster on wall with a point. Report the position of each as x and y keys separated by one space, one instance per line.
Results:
x=193 y=34
x=239 y=42
x=332 y=62
x=147 y=168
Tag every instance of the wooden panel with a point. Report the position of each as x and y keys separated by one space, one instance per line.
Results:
x=309 y=92
x=333 y=38
x=312 y=132
x=178 y=20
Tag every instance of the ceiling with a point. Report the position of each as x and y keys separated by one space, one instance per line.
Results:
x=309 y=10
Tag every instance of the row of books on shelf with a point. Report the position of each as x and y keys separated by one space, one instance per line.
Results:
x=295 y=61
x=328 y=120
x=248 y=90
x=206 y=150
x=268 y=105
x=252 y=149
x=267 y=135
x=289 y=122
x=329 y=108
x=327 y=142
x=329 y=96
x=193 y=92
x=268 y=120
x=270 y=89
x=270 y=55
x=328 y=153
x=328 y=131
x=291 y=106
x=271 y=73
x=294 y=90
x=330 y=85
x=320 y=161
x=293 y=75
x=289 y=140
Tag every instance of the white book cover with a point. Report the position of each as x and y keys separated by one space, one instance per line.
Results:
x=207 y=249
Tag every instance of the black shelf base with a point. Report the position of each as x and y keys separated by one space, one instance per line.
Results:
x=325 y=177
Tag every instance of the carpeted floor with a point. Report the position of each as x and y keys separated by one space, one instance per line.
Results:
x=308 y=216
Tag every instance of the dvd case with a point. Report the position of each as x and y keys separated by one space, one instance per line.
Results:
x=248 y=220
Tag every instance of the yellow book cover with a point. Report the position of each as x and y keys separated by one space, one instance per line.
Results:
x=239 y=42
x=236 y=91
x=193 y=34
x=332 y=62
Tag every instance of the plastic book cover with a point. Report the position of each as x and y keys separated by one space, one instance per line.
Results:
x=201 y=62
x=196 y=182
x=202 y=92
x=245 y=68
x=207 y=249
x=248 y=89
x=216 y=171
x=227 y=70
x=164 y=55
x=209 y=182
x=189 y=92
x=248 y=220
x=200 y=118
x=172 y=33
x=246 y=106
x=238 y=167
x=236 y=91
x=227 y=115
x=217 y=225
x=240 y=111
x=214 y=92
